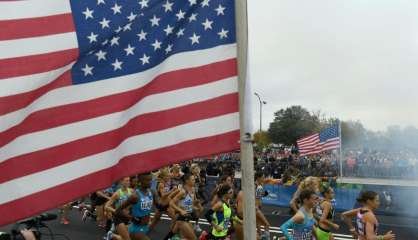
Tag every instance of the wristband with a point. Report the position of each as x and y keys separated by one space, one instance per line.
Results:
x=380 y=237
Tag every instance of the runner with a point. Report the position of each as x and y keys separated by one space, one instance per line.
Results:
x=141 y=201
x=238 y=220
x=185 y=204
x=65 y=209
x=224 y=179
x=260 y=192
x=176 y=175
x=165 y=192
x=303 y=222
x=134 y=182
x=324 y=213
x=195 y=170
x=309 y=183
x=366 y=221
x=220 y=215
x=119 y=223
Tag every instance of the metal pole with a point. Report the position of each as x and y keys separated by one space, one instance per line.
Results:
x=261 y=117
x=261 y=107
x=341 y=149
x=247 y=164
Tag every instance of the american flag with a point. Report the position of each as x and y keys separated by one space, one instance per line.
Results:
x=327 y=139
x=91 y=91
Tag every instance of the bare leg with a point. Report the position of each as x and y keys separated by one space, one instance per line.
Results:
x=27 y=234
x=100 y=215
x=65 y=210
x=262 y=220
x=139 y=236
x=239 y=231
x=186 y=230
x=172 y=214
x=155 y=219
x=123 y=232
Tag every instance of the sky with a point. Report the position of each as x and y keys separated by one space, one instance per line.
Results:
x=351 y=59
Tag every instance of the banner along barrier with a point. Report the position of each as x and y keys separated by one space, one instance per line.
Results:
x=395 y=200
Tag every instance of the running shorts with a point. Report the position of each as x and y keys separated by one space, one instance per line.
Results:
x=322 y=234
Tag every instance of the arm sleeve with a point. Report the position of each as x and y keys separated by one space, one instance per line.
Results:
x=285 y=227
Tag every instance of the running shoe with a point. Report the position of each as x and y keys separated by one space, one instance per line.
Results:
x=109 y=235
x=85 y=215
x=197 y=228
x=203 y=236
x=65 y=221
x=101 y=225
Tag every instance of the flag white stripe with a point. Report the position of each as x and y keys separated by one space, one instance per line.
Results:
x=142 y=143
x=93 y=90
x=90 y=127
x=307 y=138
x=10 y=10
x=38 y=45
x=313 y=141
x=22 y=84
x=309 y=144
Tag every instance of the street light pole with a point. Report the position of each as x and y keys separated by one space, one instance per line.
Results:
x=261 y=109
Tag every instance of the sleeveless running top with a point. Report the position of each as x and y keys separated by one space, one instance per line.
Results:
x=319 y=210
x=123 y=196
x=166 y=189
x=175 y=181
x=259 y=192
x=361 y=223
x=304 y=231
x=144 y=205
x=222 y=218
x=187 y=203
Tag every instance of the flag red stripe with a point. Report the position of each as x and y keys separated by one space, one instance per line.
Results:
x=20 y=66
x=309 y=145
x=15 y=102
x=52 y=157
x=321 y=147
x=42 y=201
x=35 y=27
x=308 y=138
x=61 y=115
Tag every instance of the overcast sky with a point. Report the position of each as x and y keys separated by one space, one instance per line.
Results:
x=352 y=59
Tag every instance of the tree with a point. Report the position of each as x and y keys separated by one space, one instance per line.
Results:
x=353 y=134
x=293 y=123
x=262 y=139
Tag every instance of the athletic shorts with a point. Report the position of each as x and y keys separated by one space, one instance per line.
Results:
x=322 y=234
x=212 y=237
x=162 y=208
x=100 y=201
x=120 y=218
x=134 y=228
x=188 y=217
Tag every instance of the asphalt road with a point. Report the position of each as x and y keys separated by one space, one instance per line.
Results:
x=404 y=228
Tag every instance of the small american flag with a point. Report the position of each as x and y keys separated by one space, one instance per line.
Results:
x=91 y=91
x=327 y=139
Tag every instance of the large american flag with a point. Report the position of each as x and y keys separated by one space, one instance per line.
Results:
x=91 y=91
x=327 y=139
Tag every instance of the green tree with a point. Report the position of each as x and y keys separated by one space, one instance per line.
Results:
x=293 y=123
x=262 y=139
x=353 y=134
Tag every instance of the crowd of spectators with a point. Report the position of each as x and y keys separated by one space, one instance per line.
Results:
x=282 y=161
x=393 y=164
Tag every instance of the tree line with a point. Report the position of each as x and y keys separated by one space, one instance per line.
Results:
x=295 y=122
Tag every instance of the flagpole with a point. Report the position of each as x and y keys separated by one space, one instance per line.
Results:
x=247 y=162
x=341 y=149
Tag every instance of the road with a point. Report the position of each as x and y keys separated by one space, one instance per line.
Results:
x=404 y=228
